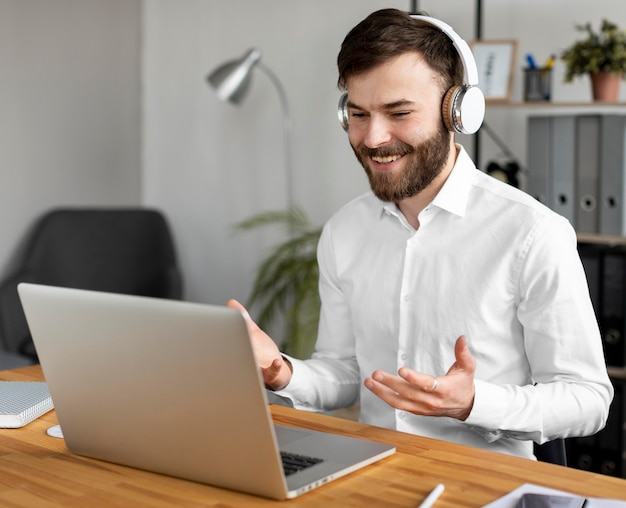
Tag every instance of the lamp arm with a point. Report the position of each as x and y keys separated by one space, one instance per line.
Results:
x=286 y=131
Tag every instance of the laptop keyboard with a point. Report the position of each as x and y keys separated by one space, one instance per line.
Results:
x=292 y=463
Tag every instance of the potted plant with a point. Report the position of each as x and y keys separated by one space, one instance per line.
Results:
x=286 y=284
x=600 y=55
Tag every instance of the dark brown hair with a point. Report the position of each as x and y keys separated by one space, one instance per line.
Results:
x=388 y=33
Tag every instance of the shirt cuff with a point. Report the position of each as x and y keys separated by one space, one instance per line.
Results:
x=489 y=406
x=299 y=385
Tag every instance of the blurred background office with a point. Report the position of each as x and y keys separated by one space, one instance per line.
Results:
x=105 y=103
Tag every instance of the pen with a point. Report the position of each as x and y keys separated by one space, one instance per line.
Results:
x=432 y=497
x=550 y=63
x=531 y=61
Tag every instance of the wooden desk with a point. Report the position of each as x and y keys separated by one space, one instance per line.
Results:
x=37 y=470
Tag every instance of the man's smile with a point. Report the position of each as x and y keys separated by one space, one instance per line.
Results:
x=385 y=159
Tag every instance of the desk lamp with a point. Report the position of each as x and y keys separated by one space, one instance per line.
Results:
x=231 y=82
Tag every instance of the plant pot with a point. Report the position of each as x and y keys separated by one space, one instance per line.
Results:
x=605 y=86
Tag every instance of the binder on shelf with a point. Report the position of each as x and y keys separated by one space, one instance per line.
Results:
x=591 y=255
x=612 y=192
x=577 y=166
x=552 y=162
x=587 y=173
x=613 y=306
x=563 y=166
x=539 y=142
x=21 y=402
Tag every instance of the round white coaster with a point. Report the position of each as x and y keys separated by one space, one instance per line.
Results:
x=55 y=431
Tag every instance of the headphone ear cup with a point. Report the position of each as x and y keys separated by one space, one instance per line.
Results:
x=447 y=108
x=342 y=112
x=463 y=109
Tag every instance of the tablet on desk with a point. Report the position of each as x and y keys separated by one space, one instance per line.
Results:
x=544 y=494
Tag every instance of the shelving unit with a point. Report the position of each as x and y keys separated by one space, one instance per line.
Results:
x=509 y=120
x=604 y=452
x=604 y=258
x=604 y=255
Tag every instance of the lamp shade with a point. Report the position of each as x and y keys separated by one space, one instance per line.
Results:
x=231 y=80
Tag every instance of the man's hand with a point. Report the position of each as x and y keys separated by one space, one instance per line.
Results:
x=422 y=394
x=275 y=369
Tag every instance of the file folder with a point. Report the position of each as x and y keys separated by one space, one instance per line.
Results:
x=587 y=173
x=613 y=306
x=539 y=160
x=591 y=255
x=612 y=180
x=552 y=162
x=563 y=166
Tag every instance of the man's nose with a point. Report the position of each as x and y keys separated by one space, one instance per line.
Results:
x=378 y=132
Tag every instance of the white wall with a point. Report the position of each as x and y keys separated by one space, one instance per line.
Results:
x=69 y=109
x=210 y=164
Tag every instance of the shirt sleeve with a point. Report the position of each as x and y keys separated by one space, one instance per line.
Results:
x=330 y=379
x=571 y=391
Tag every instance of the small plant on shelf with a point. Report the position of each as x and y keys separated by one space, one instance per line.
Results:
x=603 y=51
x=600 y=55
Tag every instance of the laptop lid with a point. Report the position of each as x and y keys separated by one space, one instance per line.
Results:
x=172 y=387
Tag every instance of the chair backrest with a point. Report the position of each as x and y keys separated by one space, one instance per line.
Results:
x=121 y=250
x=13 y=360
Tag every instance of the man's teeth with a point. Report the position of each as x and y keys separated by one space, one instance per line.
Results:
x=386 y=160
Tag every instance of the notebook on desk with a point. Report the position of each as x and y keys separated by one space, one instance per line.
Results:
x=21 y=402
x=173 y=387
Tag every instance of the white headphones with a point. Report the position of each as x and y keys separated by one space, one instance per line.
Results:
x=463 y=106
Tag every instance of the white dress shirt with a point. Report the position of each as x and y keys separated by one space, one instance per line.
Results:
x=489 y=262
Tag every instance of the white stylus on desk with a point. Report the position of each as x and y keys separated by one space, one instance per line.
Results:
x=432 y=497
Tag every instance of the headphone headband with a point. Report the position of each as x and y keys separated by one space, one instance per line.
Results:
x=463 y=49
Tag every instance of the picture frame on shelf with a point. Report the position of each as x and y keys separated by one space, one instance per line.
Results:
x=495 y=60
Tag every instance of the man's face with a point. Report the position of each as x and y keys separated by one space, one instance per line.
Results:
x=396 y=130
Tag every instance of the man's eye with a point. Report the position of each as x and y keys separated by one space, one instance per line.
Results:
x=400 y=113
x=356 y=114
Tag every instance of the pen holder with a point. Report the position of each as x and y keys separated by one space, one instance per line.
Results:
x=537 y=84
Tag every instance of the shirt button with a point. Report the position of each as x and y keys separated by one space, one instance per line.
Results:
x=403 y=356
x=407 y=298
x=401 y=415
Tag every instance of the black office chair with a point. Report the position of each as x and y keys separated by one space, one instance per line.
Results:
x=119 y=250
x=14 y=360
x=552 y=451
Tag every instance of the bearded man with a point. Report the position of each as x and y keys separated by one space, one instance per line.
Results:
x=454 y=306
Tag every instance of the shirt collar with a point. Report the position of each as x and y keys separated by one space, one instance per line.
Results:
x=454 y=194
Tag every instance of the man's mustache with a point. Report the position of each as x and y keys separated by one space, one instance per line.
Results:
x=385 y=151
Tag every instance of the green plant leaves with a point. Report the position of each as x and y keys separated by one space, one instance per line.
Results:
x=287 y=279
x=604 y=51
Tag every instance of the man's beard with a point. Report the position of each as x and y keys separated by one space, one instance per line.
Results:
x=424 y=162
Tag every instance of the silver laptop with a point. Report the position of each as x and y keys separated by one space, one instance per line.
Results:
x=173 y=387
